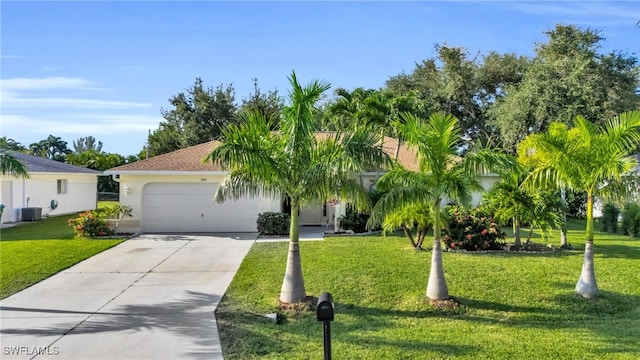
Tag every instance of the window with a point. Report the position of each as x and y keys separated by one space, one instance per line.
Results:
x=62 y=186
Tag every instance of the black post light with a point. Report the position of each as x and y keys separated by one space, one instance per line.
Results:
x=325 y=313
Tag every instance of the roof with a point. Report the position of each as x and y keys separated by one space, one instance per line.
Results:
x=190 y=159
x=36 y=164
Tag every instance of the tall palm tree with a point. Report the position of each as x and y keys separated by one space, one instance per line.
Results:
x=442 y=174
x=293 y=162
x=586 y=158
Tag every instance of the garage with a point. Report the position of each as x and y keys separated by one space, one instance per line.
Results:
x=189 y=207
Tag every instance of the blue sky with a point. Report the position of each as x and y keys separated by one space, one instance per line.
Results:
x=105 y=69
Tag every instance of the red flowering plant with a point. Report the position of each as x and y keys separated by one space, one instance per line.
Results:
x=90 y=224
x=472 y=230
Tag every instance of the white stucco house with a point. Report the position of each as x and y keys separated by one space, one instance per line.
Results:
x=53 y=187
x=174 y=192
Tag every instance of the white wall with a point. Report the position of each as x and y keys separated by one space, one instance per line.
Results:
x=40 y=188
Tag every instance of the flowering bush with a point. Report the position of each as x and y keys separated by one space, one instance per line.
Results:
x=90 y=224
x=472 y=230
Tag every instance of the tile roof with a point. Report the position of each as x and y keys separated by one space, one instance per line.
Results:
x=36 y=164
x=190 y=159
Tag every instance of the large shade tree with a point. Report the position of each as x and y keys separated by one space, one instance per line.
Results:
x=196 y=116
x=569 y=76
x=595 y=159
x=296 y=163
x=443 y=174
x=465 y=86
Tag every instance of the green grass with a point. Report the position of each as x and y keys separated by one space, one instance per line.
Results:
x=32 y=252
x=514 y=305
x=105 y=203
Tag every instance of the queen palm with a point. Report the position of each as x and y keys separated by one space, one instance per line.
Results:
x=294 y=162
x=442 y=173
x=586 y=158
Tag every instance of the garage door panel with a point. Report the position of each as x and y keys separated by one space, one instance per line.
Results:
x=189 y=207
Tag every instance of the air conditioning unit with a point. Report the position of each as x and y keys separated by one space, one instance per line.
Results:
x=31 y=214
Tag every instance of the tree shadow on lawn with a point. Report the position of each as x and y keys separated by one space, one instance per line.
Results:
x=242 y=340
x=189 y=318
x=606 y=317
x=616 y=251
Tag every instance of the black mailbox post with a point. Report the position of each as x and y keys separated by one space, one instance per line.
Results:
x=325 y=313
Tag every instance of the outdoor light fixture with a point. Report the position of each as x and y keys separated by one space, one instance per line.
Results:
x=126 y=189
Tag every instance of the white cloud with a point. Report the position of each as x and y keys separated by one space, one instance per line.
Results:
x=13 y=90
x=52 y=82
x=601 y=11
x=13 y=102
x=13 y=125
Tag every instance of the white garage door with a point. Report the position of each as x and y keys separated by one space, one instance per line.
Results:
x=189 y=207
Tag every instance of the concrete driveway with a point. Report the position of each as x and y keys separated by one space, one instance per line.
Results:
x=151 y=297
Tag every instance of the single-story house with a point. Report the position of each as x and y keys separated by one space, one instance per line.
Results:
x=53 y=188
x=174 y=192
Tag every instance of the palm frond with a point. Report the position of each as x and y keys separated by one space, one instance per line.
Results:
x=241 y=183
x=9 y=165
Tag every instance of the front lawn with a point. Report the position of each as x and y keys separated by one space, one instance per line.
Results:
x=32 y=252
x=514 y=305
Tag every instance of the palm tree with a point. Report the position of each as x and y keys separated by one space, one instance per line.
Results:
x=9 y=165
x=418 y=215
x=442 y=174
x=510 y=200
x=295 y=163
x=586 y=158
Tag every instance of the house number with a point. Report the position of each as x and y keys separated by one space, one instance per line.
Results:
x=203 y=179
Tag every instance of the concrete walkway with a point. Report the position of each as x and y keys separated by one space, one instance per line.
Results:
x=151 y=297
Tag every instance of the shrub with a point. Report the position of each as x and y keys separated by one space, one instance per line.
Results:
x=273 y=223
x=609 y=220
x=90 y=224
x=472 y=230
x=576 y=204
x=631 y=219
x=353 y=220
x=117 y=212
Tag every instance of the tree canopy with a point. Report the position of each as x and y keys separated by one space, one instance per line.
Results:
x=567 y=78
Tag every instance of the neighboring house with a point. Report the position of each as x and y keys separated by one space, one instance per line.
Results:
x=53 y=187
x=174 y=192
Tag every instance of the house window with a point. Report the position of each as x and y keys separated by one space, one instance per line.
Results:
x=62 y=186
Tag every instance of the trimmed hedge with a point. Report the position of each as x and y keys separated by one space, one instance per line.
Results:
x=273 y=223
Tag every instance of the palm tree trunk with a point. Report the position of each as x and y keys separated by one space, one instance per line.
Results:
x=437 y=286
x=395 y=156
x=563 y=228
x=293 y=284
x=408 y=234
x=528 y=241
x=516 y=232
x=421 y=235
x=587 y=286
